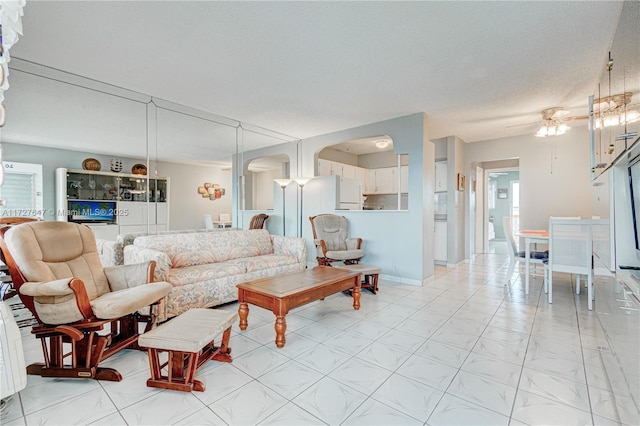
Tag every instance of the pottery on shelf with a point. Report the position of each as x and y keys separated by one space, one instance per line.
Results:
x=91 y=164
x=139 y=169
x=116 y=165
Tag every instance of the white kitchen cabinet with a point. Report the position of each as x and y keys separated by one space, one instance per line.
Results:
x=386 y=180
x=382 y=181
x=325 y=167
x=371 y=181
x=137 y=213
x=134 y=229
x=602 y=207
x=440 y=242
x=441 y=176
x=361 y=176
x=349 y=171
x=104 y=231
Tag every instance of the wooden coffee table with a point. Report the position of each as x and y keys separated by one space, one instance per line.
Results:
x=284 y=292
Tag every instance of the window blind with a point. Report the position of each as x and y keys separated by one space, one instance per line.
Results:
x=19 y=192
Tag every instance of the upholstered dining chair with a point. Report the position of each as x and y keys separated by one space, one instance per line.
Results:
x=258 y=221
x=331 y=238
x=57 y=272
x=515 y=255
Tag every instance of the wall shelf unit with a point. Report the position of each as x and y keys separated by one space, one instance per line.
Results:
x=112 y=203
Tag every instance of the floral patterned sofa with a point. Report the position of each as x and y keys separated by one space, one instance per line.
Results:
x=112 y=252
x=204 y=267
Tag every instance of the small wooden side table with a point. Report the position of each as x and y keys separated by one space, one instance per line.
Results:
x=369 y=274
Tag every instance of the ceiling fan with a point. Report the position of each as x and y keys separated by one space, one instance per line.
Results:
x=554 y=121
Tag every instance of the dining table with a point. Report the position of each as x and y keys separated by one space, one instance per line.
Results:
x=531 y=236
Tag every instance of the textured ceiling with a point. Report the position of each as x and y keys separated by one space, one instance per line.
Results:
x=310 y=68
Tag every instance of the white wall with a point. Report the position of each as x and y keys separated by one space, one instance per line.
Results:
x=275 y=222
x=555 y=175
x=399 y=242
x=263 y=189
x=456 y=210
x=187 y=207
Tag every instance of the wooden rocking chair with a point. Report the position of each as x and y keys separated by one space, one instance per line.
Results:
x=57 y=272
x=330 y=236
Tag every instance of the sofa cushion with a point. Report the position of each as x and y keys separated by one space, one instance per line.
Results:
x=203 y=248
x=251 y=264
x=197 y=273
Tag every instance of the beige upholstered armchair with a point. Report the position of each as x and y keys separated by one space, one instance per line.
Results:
x=57 y=272
x=330 y=233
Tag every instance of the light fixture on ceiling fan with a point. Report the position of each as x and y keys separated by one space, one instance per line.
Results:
x=614 y=110
x=555 y=122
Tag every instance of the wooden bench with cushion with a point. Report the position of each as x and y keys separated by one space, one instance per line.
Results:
x=189 y=340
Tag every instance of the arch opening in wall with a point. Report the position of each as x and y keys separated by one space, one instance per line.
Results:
x=259 y=186
x=370 y=163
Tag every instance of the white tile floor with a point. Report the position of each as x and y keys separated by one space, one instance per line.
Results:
x=464 y=349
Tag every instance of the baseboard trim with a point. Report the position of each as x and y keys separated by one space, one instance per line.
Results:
x=401 y=280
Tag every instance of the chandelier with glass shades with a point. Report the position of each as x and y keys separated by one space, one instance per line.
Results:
x=614 y=110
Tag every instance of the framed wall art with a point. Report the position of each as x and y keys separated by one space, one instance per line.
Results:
x=461 y=182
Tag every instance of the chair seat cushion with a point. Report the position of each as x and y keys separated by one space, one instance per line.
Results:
x=190 y=331
x=344 y=254
x=533 y=254
x=116 y=304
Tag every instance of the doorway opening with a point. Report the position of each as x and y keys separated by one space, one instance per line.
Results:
x=503 y=202
x=498 y=197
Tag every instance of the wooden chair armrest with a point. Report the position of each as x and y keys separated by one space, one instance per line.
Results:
x=82 y=298
x=353 y=243
x=151 y=270
x=324 y=247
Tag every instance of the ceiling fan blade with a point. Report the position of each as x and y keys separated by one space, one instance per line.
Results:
x=523 y=124
x=559 y=114
x=576 y=117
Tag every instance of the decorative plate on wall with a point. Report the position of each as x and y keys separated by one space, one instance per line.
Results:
x=91 y=164
x=139 y=169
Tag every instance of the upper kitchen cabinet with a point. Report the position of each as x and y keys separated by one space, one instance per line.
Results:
x=325 y=167
x=616 y=105
x=348 y=171
x=383 y=181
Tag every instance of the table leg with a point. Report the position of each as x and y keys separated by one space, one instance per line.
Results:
x=281 y=328
x=243 y=313
x=527 y=256
x=374 y=282
x=356 y=294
